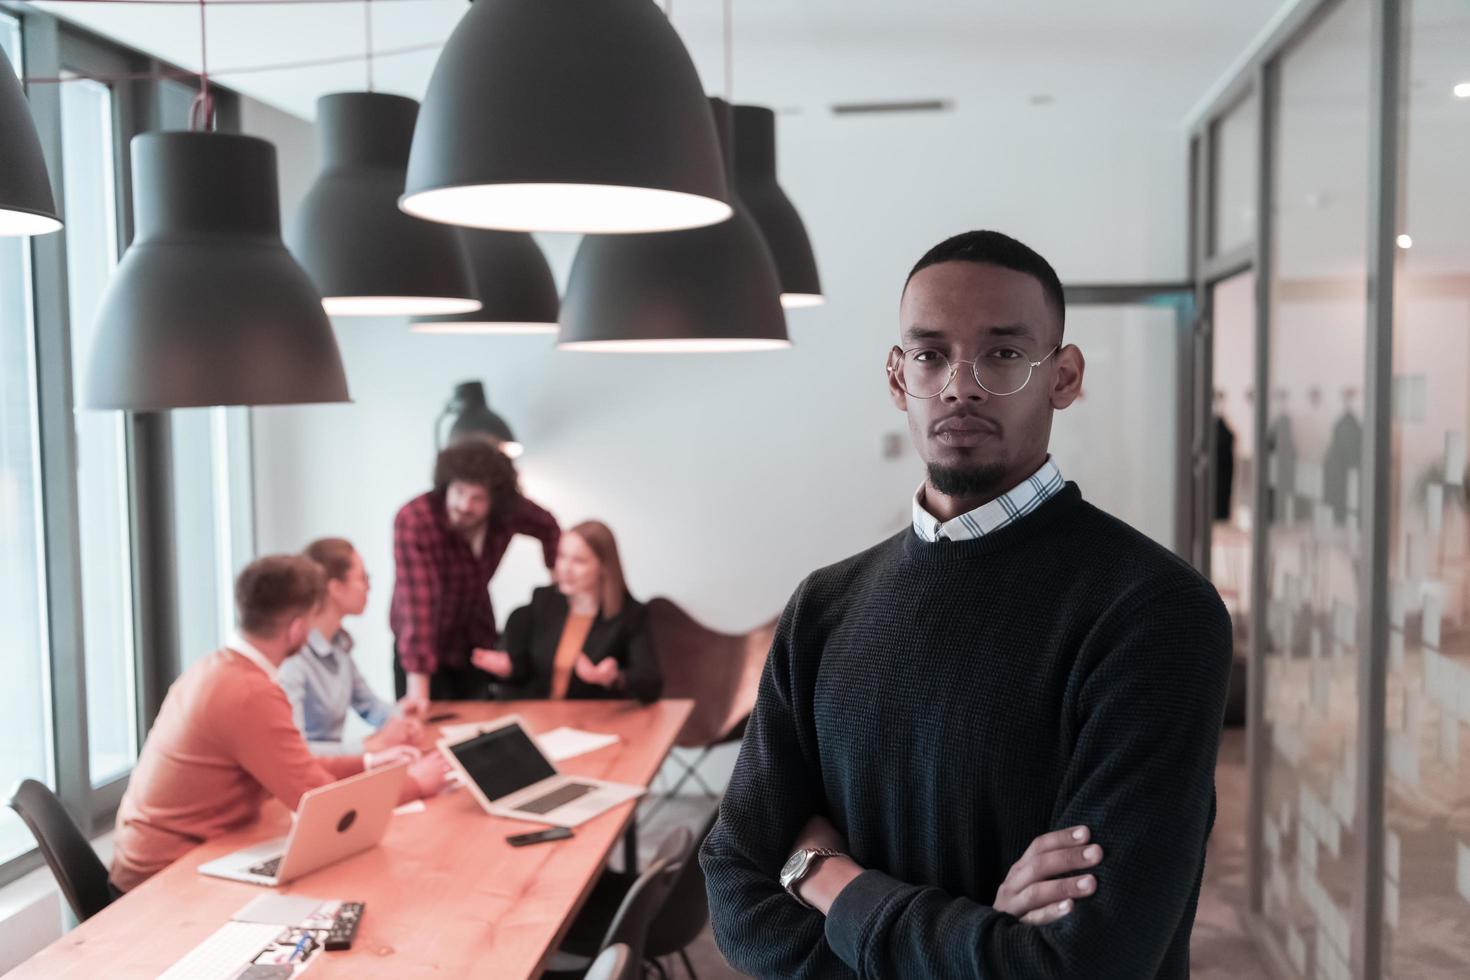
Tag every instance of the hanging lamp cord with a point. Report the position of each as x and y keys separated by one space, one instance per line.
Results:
x=367 y=30
x=201 y=112
x=729 y=52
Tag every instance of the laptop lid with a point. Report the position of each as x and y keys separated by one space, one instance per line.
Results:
x=340 y=819
x=502 y=760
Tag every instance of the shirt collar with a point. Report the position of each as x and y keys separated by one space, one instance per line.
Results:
x=1010 y=506
x=340 y=643
x=246 y=649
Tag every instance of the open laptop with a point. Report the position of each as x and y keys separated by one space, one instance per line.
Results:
x=511 y=777
x=332 y=822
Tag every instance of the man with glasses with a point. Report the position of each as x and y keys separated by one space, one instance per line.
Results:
x=955 y=722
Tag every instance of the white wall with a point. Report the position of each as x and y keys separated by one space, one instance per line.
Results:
x=726 y=477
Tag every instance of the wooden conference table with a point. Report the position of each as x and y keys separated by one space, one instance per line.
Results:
x=445 y=894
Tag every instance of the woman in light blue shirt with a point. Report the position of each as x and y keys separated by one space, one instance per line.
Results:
x=323 y=681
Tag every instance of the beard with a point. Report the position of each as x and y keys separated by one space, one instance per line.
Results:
x=968 y=482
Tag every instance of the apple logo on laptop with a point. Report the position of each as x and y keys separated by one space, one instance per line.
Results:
x=348 y=819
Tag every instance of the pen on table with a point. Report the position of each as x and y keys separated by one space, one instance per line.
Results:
x=300 y=944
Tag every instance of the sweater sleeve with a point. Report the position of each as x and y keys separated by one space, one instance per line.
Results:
x=775 y=789
x=267 y=745
x=1149 y=701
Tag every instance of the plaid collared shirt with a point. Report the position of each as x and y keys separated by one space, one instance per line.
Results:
x=441 y=595
x=1016 y=503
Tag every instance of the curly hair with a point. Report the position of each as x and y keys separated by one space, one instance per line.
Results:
x=477 y=459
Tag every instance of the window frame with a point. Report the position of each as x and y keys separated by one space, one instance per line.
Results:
x=50 y=49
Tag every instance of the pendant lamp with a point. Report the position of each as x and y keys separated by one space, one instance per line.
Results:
x=472 y=417
x=565 y=115
x=366 y=257
x=702 y=290
x=207 y=307
x=755 y=182
x=26 y=204
x=516 y=289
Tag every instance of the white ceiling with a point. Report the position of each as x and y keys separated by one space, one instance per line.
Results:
x=1153 y=57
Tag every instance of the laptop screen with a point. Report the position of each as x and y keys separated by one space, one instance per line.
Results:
x=503 y=761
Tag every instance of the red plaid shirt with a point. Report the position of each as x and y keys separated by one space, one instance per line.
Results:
x=441 y=596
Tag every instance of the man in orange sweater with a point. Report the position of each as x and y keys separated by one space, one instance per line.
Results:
x=224 y=740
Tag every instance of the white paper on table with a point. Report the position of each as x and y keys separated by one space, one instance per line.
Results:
x=412 y=806
x=566 y=743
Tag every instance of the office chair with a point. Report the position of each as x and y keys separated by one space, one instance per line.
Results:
x=615 y=963
x=78 y=870
x=629 y=924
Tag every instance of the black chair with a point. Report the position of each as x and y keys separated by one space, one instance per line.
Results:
x=78 y=870
x=686 y=912
x=640 y=905
x=615 y=963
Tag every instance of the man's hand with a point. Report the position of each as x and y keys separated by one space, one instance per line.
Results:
x=603 y=674
x=391 y=756
x=428 y=774
x=412 y=707
x=495 y=662
x=397 y=730
x=1033 y=893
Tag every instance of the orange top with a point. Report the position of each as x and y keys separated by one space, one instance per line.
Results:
x=223 y=743
x=573 y=635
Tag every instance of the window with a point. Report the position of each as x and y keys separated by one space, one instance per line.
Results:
x=88 y=179
x=25 y=697
x=1313 y=457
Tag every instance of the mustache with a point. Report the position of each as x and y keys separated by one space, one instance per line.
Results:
x=969 y=420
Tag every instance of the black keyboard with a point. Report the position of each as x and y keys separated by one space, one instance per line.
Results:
x=267 y=869
x=557 y=797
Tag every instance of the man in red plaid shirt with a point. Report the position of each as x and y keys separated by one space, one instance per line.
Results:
x=447 y=544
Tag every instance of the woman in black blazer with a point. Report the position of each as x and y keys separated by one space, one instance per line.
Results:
x=585 y=636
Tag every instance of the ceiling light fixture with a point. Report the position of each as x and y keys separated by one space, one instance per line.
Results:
x=366 y=256
x=705 y=290
x=515 y=286
x=26 y=204
x=562 y=115
x=756 y=185
x=207 y=307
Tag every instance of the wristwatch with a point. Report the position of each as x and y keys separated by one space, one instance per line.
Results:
x=799 y=865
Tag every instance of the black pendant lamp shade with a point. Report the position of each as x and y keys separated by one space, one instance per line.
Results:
x=516 y=289
x=207 y=307
x=366 y=256
x=565 y=115
x=471 y=415
x=702 y=290
x=755 y=182
x=26 y=204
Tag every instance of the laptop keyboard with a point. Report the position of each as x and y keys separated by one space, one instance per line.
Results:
x=266 y=869
x=557 y=797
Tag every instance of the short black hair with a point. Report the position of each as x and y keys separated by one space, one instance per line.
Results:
x=994 y=248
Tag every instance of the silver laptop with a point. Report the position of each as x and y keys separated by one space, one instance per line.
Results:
x=511 y=777
x=333 y=822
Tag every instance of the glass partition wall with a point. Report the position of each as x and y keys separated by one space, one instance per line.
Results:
x=1332 y=255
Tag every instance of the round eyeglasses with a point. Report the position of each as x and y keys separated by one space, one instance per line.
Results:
x=925 y=372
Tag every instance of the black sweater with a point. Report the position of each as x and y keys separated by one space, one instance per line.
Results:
x=944 y=704
x=533 y=633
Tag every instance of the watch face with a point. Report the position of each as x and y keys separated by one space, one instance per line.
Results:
x=795 y=864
